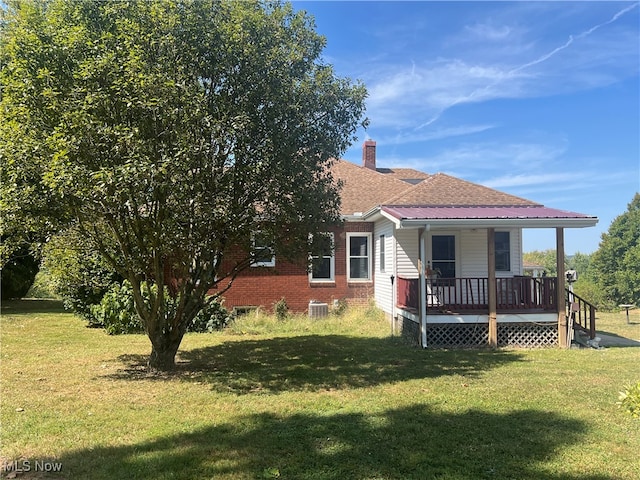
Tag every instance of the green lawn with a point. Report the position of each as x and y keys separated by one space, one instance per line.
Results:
x=331 y=399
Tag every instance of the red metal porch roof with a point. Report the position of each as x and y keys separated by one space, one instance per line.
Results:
x=480 y=212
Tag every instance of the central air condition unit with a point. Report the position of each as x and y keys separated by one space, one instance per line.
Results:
x=317 y=309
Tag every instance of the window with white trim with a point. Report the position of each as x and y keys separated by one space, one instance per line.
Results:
x=358 y=256
x=443 y=259
x=503 y=251
x=382 y=253
x=323 y=265
x=262 y=254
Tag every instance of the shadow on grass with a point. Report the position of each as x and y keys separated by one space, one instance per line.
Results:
x=609 y=339
x=406 y=443
x=32 y=305
x=315 y=363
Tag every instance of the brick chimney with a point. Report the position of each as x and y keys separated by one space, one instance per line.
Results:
x=369 y=154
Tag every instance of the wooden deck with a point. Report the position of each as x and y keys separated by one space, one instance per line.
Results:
x=470 y=295
x=515 y=295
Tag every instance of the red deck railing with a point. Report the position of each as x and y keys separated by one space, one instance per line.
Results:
x=471 y=294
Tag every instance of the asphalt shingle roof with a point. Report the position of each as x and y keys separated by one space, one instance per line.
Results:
x=364 y=189
x=444 y=190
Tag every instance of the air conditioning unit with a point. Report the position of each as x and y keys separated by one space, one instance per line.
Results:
x=317 y=309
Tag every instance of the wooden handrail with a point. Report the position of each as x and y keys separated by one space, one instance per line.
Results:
x=582 y=313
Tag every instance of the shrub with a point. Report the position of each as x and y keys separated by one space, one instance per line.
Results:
x=591 y=292
x=212 y=317
x=629 y=400
x=18 y=275
x=77 y=273
x=281 y=309
x=339 y=308
x=116 y=311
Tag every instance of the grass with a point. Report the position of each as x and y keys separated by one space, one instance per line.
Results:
x=300 y=399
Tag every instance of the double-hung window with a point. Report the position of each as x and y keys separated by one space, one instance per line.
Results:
x=382 y=252
x=503 y=251
x=359 y=257
x=443 y=258
x=262 y=254
x=323 y=264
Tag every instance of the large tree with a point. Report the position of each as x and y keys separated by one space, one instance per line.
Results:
x=172 y=131
x=615 y=265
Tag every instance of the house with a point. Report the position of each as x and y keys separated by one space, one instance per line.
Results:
x=441 y=256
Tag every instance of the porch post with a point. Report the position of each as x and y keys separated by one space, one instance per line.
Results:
x=491 y=287
x=423 y=288
x=560 y=286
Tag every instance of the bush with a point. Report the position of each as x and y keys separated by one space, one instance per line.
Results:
x=339 y=308
x=77 y=273
x=212 y=317
x=117 y=313
x=281 y=309
x=18 y=275
x=592 y=293
x=629 y=400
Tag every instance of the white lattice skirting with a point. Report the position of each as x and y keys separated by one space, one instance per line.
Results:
x=466 y=335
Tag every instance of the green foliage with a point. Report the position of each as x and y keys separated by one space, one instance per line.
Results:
x=211 y=318
x=589 y=290
x=629 y=399
x=340 y=307
x=116 y=311
x=18 y=274
x=580 y=262
x=614 y=265
x=281 y=309
x=78 y=273
x=545 y=258
x=170 y=132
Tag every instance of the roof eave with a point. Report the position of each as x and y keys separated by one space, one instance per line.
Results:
x=378 y=213
x=582 y=222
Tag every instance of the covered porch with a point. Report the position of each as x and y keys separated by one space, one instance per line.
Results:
x=475 y=297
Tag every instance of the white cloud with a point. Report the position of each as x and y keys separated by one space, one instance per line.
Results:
x=413 y=136
x=417 y=93
x=488 y=31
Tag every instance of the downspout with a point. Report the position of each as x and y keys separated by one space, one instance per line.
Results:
x=423 y=287
x=394 y=287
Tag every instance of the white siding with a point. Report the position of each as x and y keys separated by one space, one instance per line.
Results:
x=473 y=253
x=407 y=248
x=383 y=290
x=516 y=252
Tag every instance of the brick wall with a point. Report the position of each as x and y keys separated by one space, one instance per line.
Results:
x=263 y=286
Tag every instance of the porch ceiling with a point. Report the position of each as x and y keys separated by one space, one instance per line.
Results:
x=532 y=216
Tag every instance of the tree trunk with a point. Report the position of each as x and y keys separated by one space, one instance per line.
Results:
x=164 y=347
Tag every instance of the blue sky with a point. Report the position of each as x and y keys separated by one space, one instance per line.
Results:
x=537 y=99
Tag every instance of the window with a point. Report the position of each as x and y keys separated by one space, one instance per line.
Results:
x=358 y=256
x=503 y=251
x=262 y=251
x=323 y=265
x=382 y=253
x=443 y=255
